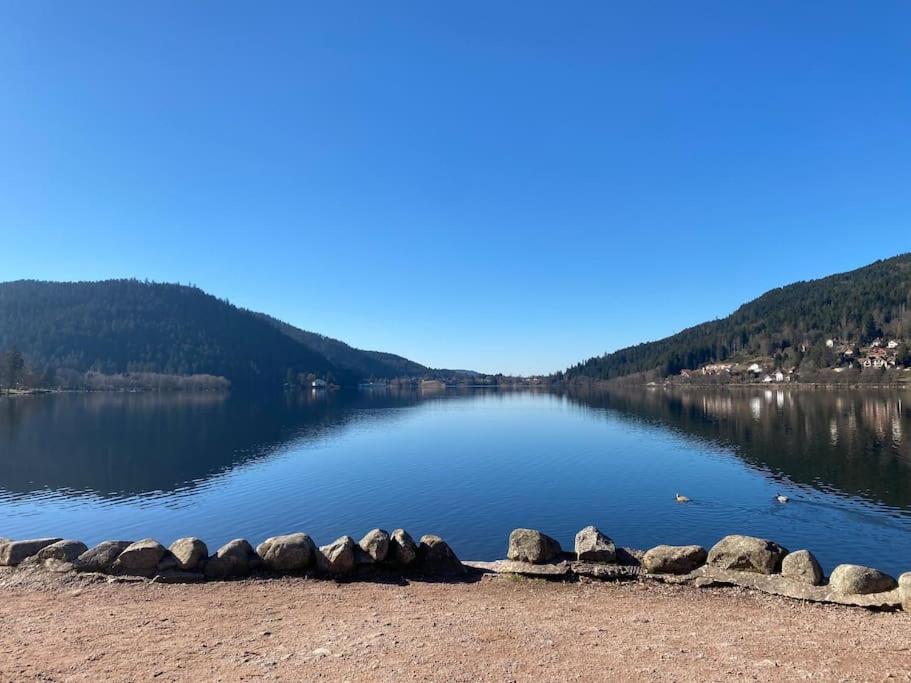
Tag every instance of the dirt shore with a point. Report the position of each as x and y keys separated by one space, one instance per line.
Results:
x=62 y=629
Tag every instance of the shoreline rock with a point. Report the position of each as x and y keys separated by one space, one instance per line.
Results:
x=594 y=546
x=855 y=579
x=140 y=558
x=674 y=559
x=530 y=545
x=288 y=553
x=744 y=561
x=747 y=553
x=101 y=557
x=802 y=566
x=13 y=553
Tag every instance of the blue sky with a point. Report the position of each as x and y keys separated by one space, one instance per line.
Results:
x=496 y=186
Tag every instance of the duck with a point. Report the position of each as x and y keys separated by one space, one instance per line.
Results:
x=681 y=499
x=782 y=498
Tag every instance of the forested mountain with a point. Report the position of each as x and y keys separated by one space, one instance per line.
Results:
x=789 y=324
x=364 y=364
x=119 y=326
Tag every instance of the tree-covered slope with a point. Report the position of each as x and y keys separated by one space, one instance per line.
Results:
x=856 y=306
x=130 y=326
x=364 y=364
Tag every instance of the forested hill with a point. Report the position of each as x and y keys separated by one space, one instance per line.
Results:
x=788 y=324
x=121 y=326
x=364 y=364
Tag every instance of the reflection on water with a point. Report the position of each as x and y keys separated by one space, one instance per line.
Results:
x=852 y=442
x=468 y=464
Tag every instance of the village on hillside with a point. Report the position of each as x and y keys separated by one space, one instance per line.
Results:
x=835 y=358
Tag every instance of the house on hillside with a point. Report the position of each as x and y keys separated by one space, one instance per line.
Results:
x=879 y=358
x=319 y=384
x=717 y=368
x=779 y=376
x=893 y=344
x=755 y=368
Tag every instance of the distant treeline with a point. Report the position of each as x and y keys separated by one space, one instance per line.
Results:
x=789 y=324
x=133 y=328
x=16 y=375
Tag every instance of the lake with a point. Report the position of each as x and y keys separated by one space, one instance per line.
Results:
x=468 y=465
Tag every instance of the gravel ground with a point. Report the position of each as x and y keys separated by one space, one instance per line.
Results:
x=63 y=627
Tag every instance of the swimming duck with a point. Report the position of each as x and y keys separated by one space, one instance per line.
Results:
x=681 y=499
x=781 y=498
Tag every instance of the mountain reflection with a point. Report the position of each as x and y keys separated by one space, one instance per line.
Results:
x=124 y=445
x=854 y=441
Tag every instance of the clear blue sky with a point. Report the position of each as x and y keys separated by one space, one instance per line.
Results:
x=480 y=185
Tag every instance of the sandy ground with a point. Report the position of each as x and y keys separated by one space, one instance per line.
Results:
x=61 y=629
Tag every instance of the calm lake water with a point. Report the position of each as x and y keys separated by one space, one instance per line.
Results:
x=469 y=466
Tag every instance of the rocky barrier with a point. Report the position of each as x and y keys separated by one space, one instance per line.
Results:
x=737 y=560
x=187 y=560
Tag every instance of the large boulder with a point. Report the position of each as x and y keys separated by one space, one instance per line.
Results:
x=402 y=549
x=904 y=590
x=530 y=545
x=747 y=554
x=337 y=557
x=673 y=559
x=140 y=558
x=594 y=546
x=189 y=553
x=375 y=544
x=13 y=552
x=802 y=566
x=235 y=559
x=288 y=553
x=437 y=558
x=64 y=551
x=101 y=558
x=854 y=579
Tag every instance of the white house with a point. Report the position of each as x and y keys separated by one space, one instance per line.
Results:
x=319 y=384
x=779 y=376
x=830 y=343
x=755 y=367
x=767 y=379
x=892 y=344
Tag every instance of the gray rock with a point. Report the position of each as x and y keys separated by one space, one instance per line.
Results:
x=530 y=545
x=140 y=558
x=376 y=544
x=802 y=566
x=402 y=549
x=594 y=546
x=189 y=553
x=233 y=560
x=904 y=590
x=64 y=551
x=100 y=558
x=437 y=558
x=673 y=559
x=854 y=579
x=337 y=557
x=13 y=552
x=748 y=554
x=605 y=572
x=776 y=584
x=547 y=571
x=288 y=553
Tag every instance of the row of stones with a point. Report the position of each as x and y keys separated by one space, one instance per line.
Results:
x=286 y=554
x=735 y=552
